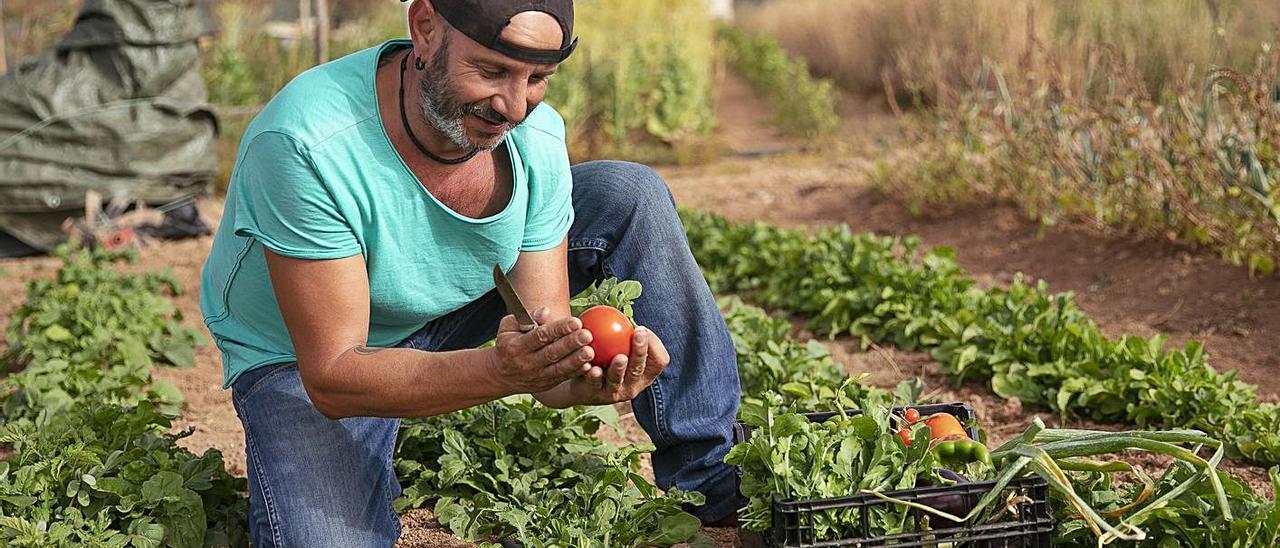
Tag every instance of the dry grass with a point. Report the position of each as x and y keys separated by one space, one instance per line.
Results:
x=854 y=41
x=934 y=45
x=1152 y=116
x=33 y=25
x=1199 y=164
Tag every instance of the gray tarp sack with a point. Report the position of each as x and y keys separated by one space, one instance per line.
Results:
x=118 y=106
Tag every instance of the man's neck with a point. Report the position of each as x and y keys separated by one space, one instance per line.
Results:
x=430 y=137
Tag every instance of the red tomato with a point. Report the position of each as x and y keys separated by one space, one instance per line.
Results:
x=610 y=333
x=912 y=415
x=905 y=434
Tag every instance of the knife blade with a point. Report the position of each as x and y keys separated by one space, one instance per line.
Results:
x=514 y=306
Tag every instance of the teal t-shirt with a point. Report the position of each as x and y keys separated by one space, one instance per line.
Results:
x=316 y=177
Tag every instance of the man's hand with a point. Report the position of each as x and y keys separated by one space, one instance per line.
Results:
x=543 y=358
x=626 y=376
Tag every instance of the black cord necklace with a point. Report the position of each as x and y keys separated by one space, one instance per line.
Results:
x=404 y=118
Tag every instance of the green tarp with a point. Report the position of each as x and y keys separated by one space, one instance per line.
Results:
x=118 y=106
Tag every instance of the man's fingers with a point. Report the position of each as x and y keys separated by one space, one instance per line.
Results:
x=639 y=354
x=508 y=323
x=597 y=376
x=547 y=334
x=616 y=373
x=570 y=366
x=567 y=345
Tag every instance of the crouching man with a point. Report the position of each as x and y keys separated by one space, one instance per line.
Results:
x=350 y=281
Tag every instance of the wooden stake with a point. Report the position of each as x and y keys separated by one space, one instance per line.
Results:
x=304 y=18
x=322 y=31
x=4 y=53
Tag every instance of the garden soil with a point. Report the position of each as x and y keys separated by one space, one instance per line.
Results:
x=1129 y=285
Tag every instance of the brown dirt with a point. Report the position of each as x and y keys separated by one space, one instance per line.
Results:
x=743 y=130
x=1128 y=285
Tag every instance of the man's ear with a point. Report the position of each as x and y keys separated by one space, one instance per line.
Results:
x=423 y=27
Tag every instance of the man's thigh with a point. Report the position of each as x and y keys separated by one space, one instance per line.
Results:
x=314 y=481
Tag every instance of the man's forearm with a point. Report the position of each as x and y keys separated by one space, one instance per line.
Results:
x=403 y=382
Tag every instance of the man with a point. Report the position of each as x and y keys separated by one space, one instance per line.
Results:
x=350 y=281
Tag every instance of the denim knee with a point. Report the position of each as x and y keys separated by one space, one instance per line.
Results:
x=624 y=192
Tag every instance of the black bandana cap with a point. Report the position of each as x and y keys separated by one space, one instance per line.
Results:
x=483 y=21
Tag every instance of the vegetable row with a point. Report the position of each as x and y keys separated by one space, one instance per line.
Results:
x=1097 y=495
x=92 y=461
x=89 y=457
x=1030 y=344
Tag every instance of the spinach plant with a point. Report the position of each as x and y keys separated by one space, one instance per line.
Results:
x=93 y=332
x=102 y=475
x=1030 y=344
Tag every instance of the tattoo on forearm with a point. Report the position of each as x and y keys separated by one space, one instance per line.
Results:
x=367 y=351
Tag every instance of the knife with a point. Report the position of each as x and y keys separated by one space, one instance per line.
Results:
x=514 y=306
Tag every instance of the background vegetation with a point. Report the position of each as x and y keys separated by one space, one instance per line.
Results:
x=1156 y=117
x=935 y=45
x=803 y=105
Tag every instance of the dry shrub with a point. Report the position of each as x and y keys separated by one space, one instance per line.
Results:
x=932 y=46
x=854 y=41
x=1153 y=116
x=1201 y=164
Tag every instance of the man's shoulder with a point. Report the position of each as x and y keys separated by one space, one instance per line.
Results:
x=322 y=101
x=541 y=124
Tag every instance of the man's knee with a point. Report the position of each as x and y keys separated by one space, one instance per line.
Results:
x=621 y=183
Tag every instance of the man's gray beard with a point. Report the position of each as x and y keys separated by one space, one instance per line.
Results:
x=440 y=105
x=449 y=126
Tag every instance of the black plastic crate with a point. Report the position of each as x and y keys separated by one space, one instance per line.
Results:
x=1031 y=528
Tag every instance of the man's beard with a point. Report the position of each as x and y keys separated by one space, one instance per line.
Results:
x=445 y=111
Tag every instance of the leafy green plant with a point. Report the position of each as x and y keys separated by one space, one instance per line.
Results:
x=770 y=360
x=795 y=459
x=610 y=506
x=1030 y=344
x=528 y=446
x=515 y=468
x=805 y=105
x=93 y=331
x=101 y=475
x=89 y=461
x=610 y=292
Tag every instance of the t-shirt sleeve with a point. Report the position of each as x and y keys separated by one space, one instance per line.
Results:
x=285 y=206
x=550 y=191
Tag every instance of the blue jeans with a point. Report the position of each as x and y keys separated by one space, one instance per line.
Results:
x=318 y=482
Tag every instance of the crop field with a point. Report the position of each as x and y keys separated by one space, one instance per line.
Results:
x=1031 y=305
x=103 y=447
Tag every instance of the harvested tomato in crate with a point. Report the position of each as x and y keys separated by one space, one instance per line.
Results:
x=1027 y=522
